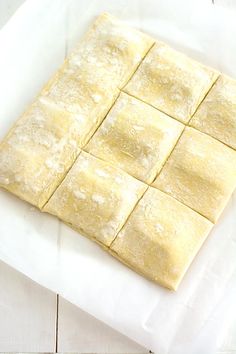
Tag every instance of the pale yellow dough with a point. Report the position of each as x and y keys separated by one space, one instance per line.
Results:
x=110 y=52
x=171 y=82
x=87 y=84
x=95 y=198
x=201 y=173
x=161 y=238
x=37 y=152
x=216 y=115
x=44 y=142
x=156 y=231
x=87 y=102
x=135 y=137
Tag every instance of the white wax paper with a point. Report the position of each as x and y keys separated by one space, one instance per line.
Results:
x=200 y=317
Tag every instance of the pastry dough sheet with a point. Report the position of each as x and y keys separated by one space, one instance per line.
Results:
x=136 y=138
x=37 y=152
x=44 y=143
x=171 y=82
x=130 y=141
x=110 y=52
x=201 y=173
x=87 y=84
x=161 y=238
x=87 y=101
x=95 y=198
x=216 y=115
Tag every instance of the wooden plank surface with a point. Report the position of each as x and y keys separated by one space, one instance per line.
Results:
x=28 y=317
x=78 y=331
x=27 y=314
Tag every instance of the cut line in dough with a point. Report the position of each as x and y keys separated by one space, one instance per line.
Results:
x=216 y=115
x=161 y=238
x=95 y=198
x=171 y=82
x=201 y=173
x=135 y=137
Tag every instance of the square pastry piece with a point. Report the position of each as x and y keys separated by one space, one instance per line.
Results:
x=87 y=102
x=161 y=238
x=171 y=82
x=95 y=198
x=216 y=115
x=37 y=152
x=45 y=141
x=136 y=138
x=87 y=84
x=201 y=173
x=110 y=50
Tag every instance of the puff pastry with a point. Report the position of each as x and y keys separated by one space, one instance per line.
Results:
x=161 y=238
x=171 y=82
x=88 y=83
x=216 y=115
x=110 y=52
x=123 y=99
x=95 y=198
x=201 y=173
x=37 y=152
x=45 y=141
x=135 y=137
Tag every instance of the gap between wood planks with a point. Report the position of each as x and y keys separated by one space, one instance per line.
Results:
x=56 y=323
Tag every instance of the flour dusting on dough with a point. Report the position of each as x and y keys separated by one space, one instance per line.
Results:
x=79 y=194
x=97 y=198
x=101 y=173
x=4 y=180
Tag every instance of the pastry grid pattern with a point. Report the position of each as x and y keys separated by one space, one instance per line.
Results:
x=167 y=159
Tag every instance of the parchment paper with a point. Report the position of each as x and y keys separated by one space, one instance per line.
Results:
x=200 y=317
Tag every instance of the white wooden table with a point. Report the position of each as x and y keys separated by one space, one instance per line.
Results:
x=33 y=319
